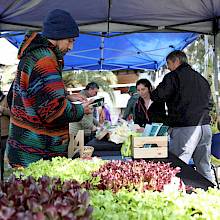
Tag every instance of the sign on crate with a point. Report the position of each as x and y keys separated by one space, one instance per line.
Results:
x=76 y=145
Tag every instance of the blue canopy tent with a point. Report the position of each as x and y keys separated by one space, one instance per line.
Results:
x=133 y=51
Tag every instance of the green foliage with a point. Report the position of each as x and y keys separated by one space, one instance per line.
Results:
x=155 y=206
x=215 y=161
x=214 y=128
x=76 y=79
x=196 y=53
x=213 y=114
x=65 y=169
x=129 y=205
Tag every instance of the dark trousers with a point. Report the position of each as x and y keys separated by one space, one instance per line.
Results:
x=2 y=154
x=89 y=138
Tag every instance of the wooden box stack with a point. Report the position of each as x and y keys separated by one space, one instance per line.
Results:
x=139 y=151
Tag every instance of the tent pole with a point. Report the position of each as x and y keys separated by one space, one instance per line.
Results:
x=215 y=63
x=109 y=15
x=102 y=52
x=1 y=147
x=215 y=67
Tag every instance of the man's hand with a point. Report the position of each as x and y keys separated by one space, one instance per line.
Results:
x=76 y=97
x=94 y=128
x=1 y=110
x=87 y=108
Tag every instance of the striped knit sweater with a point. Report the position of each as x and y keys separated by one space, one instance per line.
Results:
x=40 y=111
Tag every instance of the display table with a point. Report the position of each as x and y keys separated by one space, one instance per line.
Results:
x=111 y=151
x=105 y=148
x=188 y=174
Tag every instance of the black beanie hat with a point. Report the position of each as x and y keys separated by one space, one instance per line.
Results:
x=59 y=24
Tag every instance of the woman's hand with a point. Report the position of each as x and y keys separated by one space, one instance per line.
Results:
x=141 y=130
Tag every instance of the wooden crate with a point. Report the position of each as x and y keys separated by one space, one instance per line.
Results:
x=138 y=151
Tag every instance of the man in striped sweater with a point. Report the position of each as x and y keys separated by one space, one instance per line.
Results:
x=40 y=109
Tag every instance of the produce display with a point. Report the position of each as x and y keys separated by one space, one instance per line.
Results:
x=66 y=169
x=104 y=190
x=126 y=146
x=112 y=175
x=48 y=199
x=140 y=175
x=152 y=205
x=120 y=133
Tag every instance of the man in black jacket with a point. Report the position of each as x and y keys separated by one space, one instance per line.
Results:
x=187 y=95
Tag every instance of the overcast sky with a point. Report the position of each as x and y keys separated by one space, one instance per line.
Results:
x=8 y=53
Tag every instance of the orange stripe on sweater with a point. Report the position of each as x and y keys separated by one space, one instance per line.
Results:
x=27 y=43
x=39 y=131
x=24 y=80
x=59 y=113
x=53 y=86
x=47 y=65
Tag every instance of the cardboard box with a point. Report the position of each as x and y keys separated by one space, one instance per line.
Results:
x=139 y=151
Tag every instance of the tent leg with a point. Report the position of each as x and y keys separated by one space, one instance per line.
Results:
x=1 y=148
x=216 y=81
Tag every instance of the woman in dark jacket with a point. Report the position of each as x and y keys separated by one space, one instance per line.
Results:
x=147 y=111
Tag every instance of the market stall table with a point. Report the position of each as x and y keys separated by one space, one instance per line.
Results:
x=104 y=147
x=188 y=174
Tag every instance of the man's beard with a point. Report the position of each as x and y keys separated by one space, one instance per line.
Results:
x=65 y=52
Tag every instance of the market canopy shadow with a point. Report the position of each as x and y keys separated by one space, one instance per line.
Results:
x=113 y=16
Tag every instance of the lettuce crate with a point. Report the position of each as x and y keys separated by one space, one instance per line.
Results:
x=139 y=151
